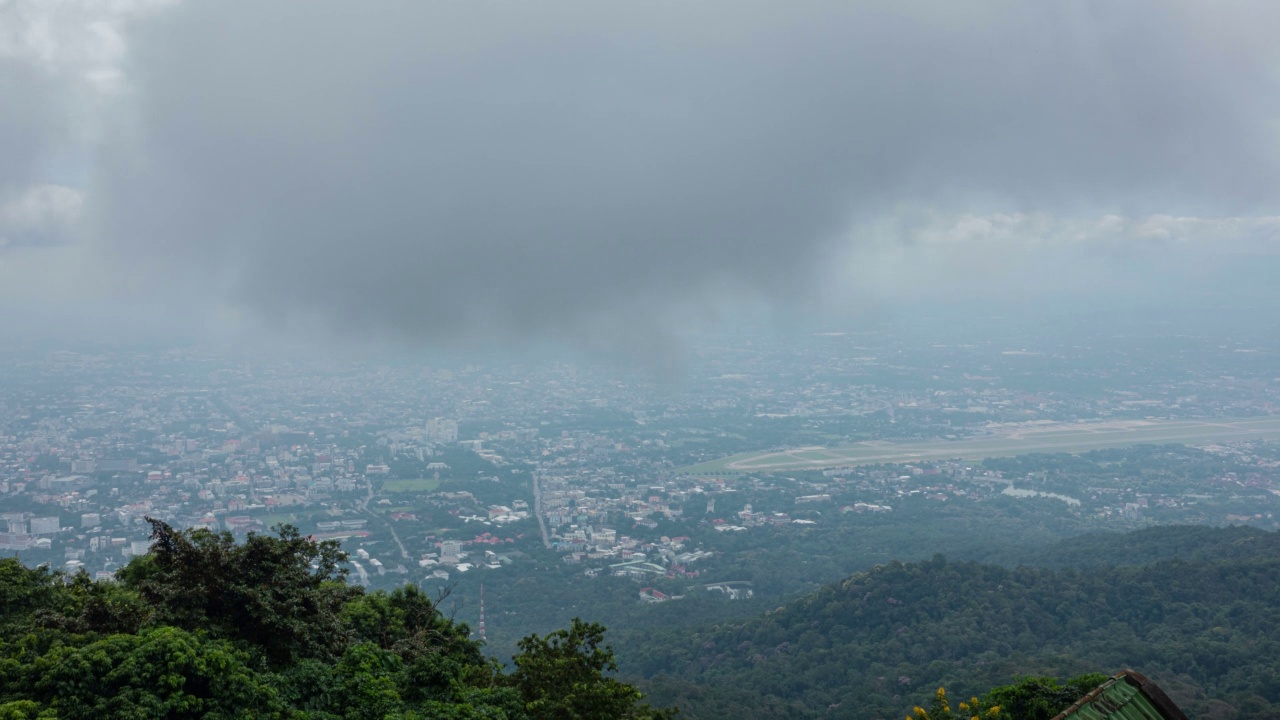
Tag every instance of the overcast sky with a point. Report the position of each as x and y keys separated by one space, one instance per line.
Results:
x=616 y=173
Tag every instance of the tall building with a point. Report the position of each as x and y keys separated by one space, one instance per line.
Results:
x=45 y=525
x=442 y=431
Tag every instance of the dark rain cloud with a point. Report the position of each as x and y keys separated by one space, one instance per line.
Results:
x=447 y=170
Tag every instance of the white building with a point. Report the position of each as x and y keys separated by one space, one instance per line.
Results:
x=442 y=431
x=45 y=525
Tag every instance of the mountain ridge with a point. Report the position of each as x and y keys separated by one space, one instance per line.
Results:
x=872 y=644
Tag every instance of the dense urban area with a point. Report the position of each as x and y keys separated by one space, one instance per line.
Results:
x=557 y=474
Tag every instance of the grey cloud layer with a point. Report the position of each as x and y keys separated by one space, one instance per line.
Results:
x=29 y=126
x=444 y=169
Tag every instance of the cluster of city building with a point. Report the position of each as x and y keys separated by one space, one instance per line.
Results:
x=421 y=469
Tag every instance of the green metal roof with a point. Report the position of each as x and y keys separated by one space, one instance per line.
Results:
x=1127 y=696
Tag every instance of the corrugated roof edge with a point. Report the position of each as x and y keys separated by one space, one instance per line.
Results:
x=1149 y=689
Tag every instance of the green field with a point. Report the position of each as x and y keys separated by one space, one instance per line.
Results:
x=1004 y=441
x=271 y=521
x=414 y=485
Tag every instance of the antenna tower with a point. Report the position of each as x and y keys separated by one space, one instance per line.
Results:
x=482 y=612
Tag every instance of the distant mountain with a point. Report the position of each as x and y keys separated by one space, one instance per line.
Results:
x=1197 y=609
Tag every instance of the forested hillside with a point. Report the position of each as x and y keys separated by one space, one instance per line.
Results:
x=879 y=642
x=1140 y=547
x=206 y=628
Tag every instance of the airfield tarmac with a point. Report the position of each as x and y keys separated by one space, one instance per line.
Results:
x=1003 y=441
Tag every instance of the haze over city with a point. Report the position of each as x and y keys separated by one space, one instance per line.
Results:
x=368 y=360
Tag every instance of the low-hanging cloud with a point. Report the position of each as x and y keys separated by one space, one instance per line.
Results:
x=571 y=168
x=27 y=130
x=41 y=215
